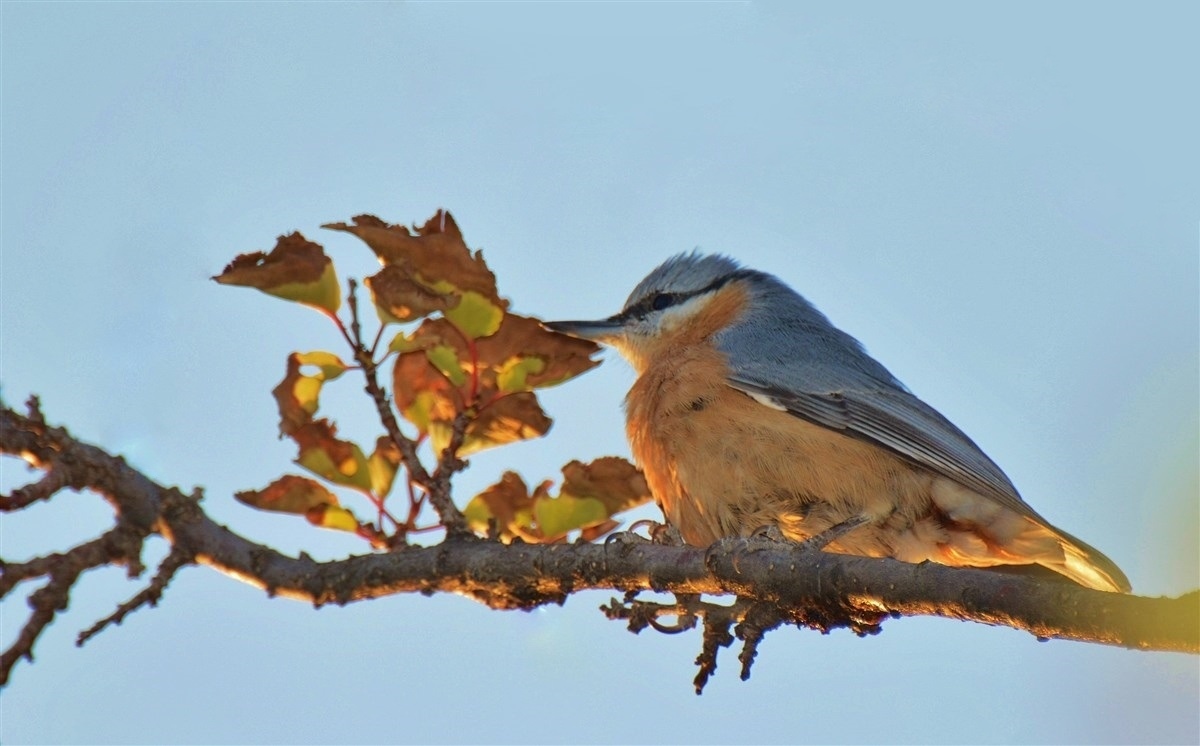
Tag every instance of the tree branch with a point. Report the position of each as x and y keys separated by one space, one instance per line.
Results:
x=775 y=583
x=436 y=486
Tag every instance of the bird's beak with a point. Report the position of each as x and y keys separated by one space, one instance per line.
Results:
x=604 y=330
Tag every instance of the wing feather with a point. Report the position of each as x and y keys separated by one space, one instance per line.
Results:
x=903 y=424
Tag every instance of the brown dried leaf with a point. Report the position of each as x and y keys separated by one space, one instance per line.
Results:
x=524 y=355
x=612 y=480
x=398 y=297
x=506 y=420
x=423 y=395
x=591 y=533
x=520 y=356
x=590 y=495
x=433 y=254
x=509 y=503
x=296 y=396
x=288 y=494
x=296 y=269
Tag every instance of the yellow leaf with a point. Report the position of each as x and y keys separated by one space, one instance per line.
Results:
x=332 y=516
x=306 y=391
x=383 y=465
x=422 y=411
x=330 y=365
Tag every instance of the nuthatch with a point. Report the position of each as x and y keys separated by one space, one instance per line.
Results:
x=752 y=411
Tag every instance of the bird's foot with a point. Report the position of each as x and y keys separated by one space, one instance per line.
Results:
x=761 y=539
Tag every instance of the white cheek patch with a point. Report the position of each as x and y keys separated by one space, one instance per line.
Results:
x=641 y=335
x=674 y=316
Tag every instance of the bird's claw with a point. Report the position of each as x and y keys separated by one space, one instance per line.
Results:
x=667 y=535
x=659 y=533
x=769 y=533
x=625 y=539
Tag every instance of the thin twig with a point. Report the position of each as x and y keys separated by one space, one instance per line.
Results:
x=150 y=595
x=448 y=465
x=119 y=545
x=43 y=489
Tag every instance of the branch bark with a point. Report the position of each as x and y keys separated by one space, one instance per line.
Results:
x=800 y=584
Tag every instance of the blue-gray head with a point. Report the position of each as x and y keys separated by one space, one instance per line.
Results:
x=693 y=297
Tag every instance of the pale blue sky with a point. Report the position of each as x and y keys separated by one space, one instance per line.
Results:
x=999 y=201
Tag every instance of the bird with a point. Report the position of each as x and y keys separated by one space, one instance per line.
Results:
x=751 y=412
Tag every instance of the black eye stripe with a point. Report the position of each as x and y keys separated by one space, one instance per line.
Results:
x=659 y=301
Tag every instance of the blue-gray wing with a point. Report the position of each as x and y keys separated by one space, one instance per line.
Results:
x=898 y=421
x=786 y=354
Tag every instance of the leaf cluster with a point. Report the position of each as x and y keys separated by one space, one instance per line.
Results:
x=464 y=375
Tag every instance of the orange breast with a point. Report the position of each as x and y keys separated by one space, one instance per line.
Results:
x=722 y=464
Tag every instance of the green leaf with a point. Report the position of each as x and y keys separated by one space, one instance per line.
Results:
x=445 y=359
x=339 y=461
x=558 y=516
x=405 y=343
x=475 y=315
x=511 y=375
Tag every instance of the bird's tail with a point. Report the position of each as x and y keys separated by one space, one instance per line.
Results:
x=1035 y=543
x=1087 y=565
x=985 y=533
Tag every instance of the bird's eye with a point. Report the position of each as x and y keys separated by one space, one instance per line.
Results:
x=660 y=301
